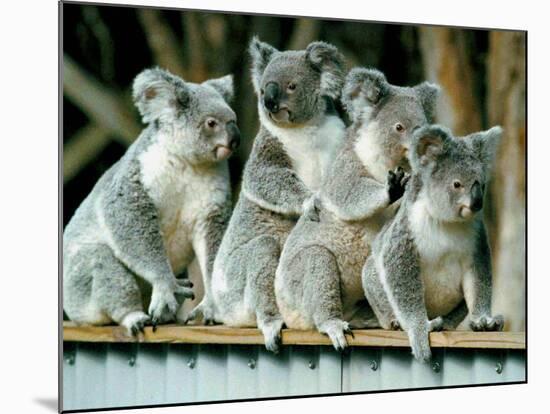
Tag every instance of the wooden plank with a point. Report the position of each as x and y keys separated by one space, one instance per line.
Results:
x=251 y=336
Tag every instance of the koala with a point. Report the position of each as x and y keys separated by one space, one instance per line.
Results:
x=433 y=259
x=167 y=200
x=318 y=280
x=300 y=134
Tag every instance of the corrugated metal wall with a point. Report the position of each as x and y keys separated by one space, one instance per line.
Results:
x=114 y=375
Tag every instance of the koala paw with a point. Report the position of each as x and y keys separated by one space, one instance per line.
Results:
x=163 y=306
x=183 y=289
x=396 y=183
x=487 y=323
x=337 y=329
x=185 y=282
x=395 y=325
x=311 y=208
x=420 y=344
x=272 y=334
x=436 y=324
x=135 y=322
x=205 y=309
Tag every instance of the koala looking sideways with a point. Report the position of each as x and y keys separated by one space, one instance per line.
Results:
x=434 y=254
x=165 y=201
x=318 y=281
x=300 y=134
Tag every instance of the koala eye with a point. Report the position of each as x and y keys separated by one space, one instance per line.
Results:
x=262 y=91
x=211 y=123
x=457 y=184
x=291 y=86
x=399 y=127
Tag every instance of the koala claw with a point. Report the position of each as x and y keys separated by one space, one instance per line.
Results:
x=185 y=291
x=395 y=325
x=184 y=283
x=204 y=309
x=336 y=330
x=272 y=334
x=487 y=323
x=163 y=305
x=396 y=183
x=349 y=332
x=274 y=344
x=135 y=322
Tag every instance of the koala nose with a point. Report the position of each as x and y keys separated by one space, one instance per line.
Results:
x=476 y=197
x=233 y=135
x=271 y=97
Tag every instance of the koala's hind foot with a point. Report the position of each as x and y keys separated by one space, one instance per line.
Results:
x=135 y=322
x=487 y=323
x=272 y=333
x=336 y=330
x=204 y=309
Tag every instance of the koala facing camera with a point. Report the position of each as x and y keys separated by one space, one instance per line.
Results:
x=431 y=265
x=299 y=136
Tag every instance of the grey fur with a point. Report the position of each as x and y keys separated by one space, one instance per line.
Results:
x=128 y=238
x=273 y=193
x=318 y=72
x=318 y=281
x=433 y=257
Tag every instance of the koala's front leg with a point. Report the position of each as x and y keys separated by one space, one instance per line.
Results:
x=322 y=296
x=206 y=242
x=477 y=286
x=398 y=266
x=262 y=260
x=131 y=220
x=270 y=181
x=354 y=196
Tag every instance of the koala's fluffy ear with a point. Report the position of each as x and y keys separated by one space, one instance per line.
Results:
x=428 y=93
x=486 y=143
x=223 y=85
x=159 y=95
x=261 y=53
x=428 y=144
x=363 y=90
x=327 y=59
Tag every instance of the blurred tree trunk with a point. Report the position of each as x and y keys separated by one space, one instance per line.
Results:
x=103 y=106
x=163 y=43
x=445 y=55
x=195 y=45
x=506 y=105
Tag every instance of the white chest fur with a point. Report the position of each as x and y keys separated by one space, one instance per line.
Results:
x=312 y=149
x=370 y=152
x=445 y=251
x=183 y=196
